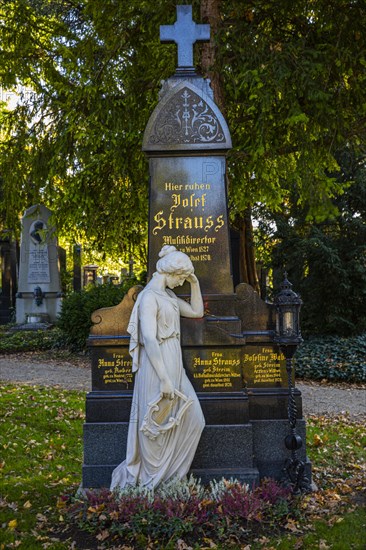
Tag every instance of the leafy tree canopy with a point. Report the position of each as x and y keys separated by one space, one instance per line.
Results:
x=294 y=75
x=293 y=92
x=326 y=261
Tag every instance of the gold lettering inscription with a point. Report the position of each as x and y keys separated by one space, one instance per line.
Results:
x=187 y=239
x=191 y=202
x=216 y=370
x=116 y=370
x=161 y=222
x=197 y=186
x=265 y=366
x=220 y=223
x=170 y=186
x=186 y=213
x=173 y=186
x=102 y=363
x=187 y=222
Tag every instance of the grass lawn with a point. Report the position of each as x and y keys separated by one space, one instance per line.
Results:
x=41 y=455
x=41 y=459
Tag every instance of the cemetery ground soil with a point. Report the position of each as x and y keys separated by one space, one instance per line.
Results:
x=330 y=409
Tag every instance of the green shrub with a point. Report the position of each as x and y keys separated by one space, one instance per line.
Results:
x=74 y=320
x=26 y=340
x=325 y=260
x=332 y=358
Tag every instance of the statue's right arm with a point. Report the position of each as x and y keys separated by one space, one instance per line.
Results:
x=148 y=326
x=195 y=308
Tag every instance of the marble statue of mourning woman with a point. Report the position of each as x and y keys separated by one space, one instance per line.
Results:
x=166 y=419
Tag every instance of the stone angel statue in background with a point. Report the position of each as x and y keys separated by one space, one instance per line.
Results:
x=166 y=419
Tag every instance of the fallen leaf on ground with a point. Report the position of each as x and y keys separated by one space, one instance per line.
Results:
x=292 y=526
x=12 y=524
x=103 y=535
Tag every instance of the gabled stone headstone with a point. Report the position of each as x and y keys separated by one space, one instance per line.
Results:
x=185 y=140
x=39 y=286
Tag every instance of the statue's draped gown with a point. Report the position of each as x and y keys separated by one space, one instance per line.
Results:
x=151 y=461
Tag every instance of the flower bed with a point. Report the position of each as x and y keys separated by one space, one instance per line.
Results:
x=226 y=511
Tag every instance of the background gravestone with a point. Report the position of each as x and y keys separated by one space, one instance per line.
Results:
x=39 y=285
x=229 y=355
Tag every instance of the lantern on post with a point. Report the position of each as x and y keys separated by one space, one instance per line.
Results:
x=288 y=336
x=288 y=304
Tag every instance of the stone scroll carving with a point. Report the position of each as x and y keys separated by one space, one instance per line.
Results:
x=113 y=321
x=187 y=118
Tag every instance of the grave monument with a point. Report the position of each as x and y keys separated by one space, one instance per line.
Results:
x=38 y=299
x=230 y=355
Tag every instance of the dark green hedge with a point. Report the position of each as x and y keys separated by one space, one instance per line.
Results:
x=26 y=340
x=332 y=358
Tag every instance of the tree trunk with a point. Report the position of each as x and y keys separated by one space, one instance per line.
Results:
x=210 y=13
x=247 y=267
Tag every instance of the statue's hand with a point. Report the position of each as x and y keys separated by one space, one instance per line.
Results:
x=167 y=388
x=192 y=279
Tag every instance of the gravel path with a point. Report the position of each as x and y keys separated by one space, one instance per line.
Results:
x=318 y=398
x=44 y=372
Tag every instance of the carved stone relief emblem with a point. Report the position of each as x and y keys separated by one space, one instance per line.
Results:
x=186 y=118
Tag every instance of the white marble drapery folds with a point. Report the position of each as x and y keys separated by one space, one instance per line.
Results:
x=152 y=461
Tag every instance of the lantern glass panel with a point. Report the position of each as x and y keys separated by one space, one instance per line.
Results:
x=288 y=321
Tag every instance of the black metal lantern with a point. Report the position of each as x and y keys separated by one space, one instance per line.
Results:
x=288 y=304
x=288 y=337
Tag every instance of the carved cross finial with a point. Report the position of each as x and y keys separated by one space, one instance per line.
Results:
x=185 y=32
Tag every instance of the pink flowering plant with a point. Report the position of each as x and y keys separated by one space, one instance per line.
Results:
x=186 y=511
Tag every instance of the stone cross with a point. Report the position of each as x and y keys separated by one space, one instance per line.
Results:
x=185 y=32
